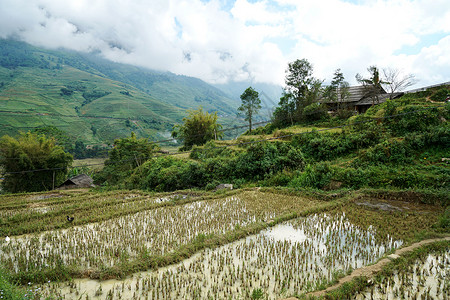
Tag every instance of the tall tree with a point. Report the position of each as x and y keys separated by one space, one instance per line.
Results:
x=250 y=105
x=284 y=113
x=198 y=128
x=373 y=84
x=395 y=81
x=339 y=88
x=300 y=91
x=21 y=157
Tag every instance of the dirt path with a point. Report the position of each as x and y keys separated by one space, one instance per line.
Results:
x=368 y=271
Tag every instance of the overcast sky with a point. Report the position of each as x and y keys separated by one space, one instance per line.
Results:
x=222 y=40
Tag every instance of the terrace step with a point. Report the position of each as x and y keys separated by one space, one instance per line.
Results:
x=369 y=271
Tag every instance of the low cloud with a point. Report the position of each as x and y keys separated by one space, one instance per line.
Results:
x=223 y=40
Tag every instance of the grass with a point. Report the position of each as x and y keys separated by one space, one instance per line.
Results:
x=98 y=162
x=397 y=223
x=9 y=290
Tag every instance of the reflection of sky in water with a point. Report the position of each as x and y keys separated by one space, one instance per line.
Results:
x=286 y=259
x=284 y=232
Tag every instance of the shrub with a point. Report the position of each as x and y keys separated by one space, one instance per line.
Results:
x=315 y=111
x=440 y=95
x=326 y=146
x=279 y=179
x=344 y=114
x=315 y=176
x=412 y=118
x=210 y=150
x=262 y=159
x=127 y=154
x=389 y=151
x=168 y=174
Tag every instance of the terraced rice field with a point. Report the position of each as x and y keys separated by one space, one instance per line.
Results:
x=107 y=243
x=239 y=245
x=293 y=257
x=427 y=278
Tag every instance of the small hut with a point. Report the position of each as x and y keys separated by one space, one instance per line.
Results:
x=79 y=181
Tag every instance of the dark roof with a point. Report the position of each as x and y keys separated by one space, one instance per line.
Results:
x=381 y=98
x=81 y=180
x=359 y=94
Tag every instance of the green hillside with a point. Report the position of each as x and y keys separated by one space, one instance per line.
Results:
x=95 y=100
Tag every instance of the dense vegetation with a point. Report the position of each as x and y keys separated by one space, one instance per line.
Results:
x=32 y=152
x=399 y=144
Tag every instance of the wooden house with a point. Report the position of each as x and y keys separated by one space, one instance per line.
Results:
x=360 y=98
x=79 y=181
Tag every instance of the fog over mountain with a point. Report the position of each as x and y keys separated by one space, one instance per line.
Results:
x=223 y=40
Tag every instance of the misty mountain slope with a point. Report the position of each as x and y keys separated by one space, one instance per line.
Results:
x=92 y=98
x=179 y=90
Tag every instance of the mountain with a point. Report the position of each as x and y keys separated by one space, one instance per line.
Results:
x=95 y=100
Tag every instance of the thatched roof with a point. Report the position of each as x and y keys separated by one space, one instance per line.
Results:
x=79 y=181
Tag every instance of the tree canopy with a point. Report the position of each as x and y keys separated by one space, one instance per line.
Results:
x=127 y=154
x=338 y=90
x=31 y=151
x=250 y=105
x=301 y=90
x=197 y=128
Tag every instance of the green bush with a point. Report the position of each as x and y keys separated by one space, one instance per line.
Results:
x=9 y=290
x=382 y=176
x=315 y=176
x=437 y=136
x=413 y=119
x=32 y=151
x=210 y=150
x=127 y=154
x=168 y=174
x=344 y=114
x=326 y=146
x=440 y=95
x=279 y=179
x=389 y=151
x=262 y=159
x=316 y=111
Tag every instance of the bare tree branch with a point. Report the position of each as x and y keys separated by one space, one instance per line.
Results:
x=394 y=81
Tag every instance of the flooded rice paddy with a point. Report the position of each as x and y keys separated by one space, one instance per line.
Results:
x=428 y=278
x=290 y=258
x=155 y=231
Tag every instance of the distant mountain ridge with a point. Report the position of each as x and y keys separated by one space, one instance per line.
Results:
x=96 y=100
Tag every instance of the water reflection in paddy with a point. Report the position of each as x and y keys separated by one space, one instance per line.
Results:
x=290 y=258
x=427 y=279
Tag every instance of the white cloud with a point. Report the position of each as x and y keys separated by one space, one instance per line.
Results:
x=220 y=40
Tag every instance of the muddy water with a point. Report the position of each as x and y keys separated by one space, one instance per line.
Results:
x=426 y=279
x=290 y=258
